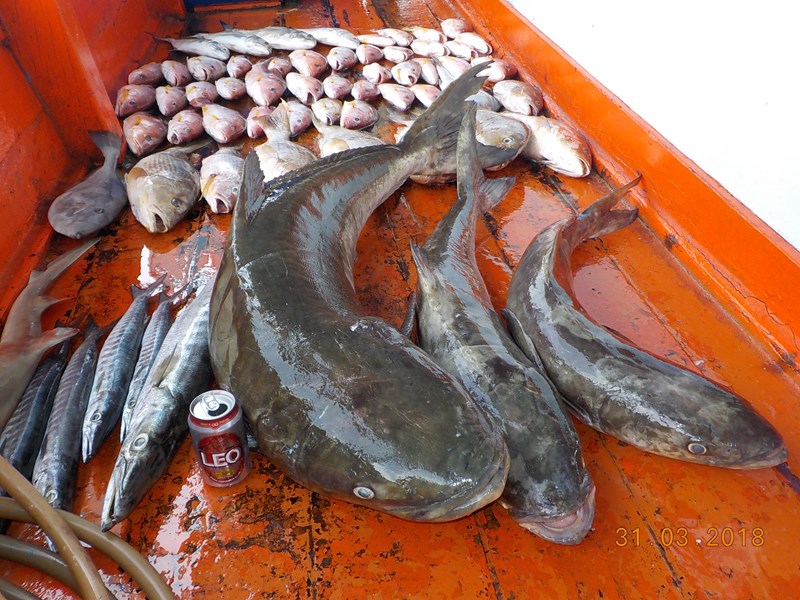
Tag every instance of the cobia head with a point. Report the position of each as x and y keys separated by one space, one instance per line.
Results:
x=568 y=529
x=713 y=426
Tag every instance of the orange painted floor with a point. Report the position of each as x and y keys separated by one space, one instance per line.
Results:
x=663 y=528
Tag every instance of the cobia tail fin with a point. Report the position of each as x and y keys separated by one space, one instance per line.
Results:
x=598 y=219
x=437 y=128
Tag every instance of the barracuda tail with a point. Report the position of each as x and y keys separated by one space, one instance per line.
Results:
x=436 y=130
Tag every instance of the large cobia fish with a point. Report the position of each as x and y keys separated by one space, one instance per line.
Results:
x=341 y=401
x=610 y=384
x=181 y=372
x=549 y=490
x=22 y=343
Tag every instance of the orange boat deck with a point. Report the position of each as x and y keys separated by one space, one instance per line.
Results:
x=697 y=279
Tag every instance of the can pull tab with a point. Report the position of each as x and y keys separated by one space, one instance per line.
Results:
x=213 y=407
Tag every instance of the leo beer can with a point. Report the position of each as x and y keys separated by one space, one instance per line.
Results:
x=220 y=443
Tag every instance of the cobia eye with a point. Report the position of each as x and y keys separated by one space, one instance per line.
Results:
x=696 y=448
x=176 y=202
x=364 y=492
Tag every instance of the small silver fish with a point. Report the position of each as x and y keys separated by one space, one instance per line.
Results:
x=470 y=38
x=239 y=41
x=426 y=48
x=327 y=110
x=238 y=66
x=397 y=95
x=400 y=37
x=426 y=34
x=519 y=96
x=253 y=128
x=184 y=127
x=278 y=155
x=162 y=188
x=264 y=86
x=425 y=93
x=230 y=88
x=300 y=117
x=305 y=88
x=376 y=73
x=452 y=27
x=134 y=98
x=286 y=38
x=223 y=124
x=501 y=131
x=204 y=68
x=220 y=176
x=460 y=50
x=199 y=46
x=428 y=72
x=333 y=139
x=201 y=93
x=363 y=89
x=397 y=54
x=332 y=36
x=368 y=54
x=336 y=86
x=308 y=62
x=342 y=59
x=406 y=73
x=358 y=114
x=93 y=203
x=485 y=101
x=149 y=74
x=170 y=100
x=373 y=39
x=556 y=145
x=281 y=64
x=499 y=70
x=175 y=73
x=143 y=132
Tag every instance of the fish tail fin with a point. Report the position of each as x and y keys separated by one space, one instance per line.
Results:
x=598 y=219
x=251 y=192
x=471 y=179
x=425 y=274
x=436 y=130
x=108 y=142
x=277 y=122
x=150 y=289
x=226 y=26
x=44 y=279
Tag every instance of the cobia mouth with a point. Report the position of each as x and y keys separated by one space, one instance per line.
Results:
x=567 y=529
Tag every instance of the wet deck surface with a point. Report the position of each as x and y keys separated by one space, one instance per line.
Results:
x=663 y=528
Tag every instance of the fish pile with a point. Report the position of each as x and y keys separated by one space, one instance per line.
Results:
x=277 y=81
x=431 y=429
x=348 y=406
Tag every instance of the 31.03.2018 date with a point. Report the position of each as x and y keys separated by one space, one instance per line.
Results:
x=713 y=537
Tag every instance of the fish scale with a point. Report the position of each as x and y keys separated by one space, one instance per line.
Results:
x=115 y=366
x=55 y=471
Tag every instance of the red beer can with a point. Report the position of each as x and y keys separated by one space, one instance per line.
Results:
x=220 y=443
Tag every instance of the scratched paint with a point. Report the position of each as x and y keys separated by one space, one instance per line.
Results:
x=269 y=537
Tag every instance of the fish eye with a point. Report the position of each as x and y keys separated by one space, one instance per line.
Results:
x=364 y=492
x=148 y=138
x=99 y=210
x=96 y=416
x=140 y=441
x=697 y=448
x=508 y=141
x=176 y=202
x=51 y=496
